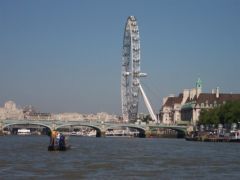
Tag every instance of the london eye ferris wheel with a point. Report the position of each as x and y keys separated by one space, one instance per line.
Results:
x=131 y=72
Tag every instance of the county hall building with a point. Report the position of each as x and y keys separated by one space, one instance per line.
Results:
x=186 y=107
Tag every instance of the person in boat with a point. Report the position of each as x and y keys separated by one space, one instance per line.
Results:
x=62 y=143
x=57 y=142
x=53 y=138
x=57 y=138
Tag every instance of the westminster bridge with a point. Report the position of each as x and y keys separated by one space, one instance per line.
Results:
x=100 y=126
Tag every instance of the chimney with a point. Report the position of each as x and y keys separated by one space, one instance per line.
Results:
x=217 y=92
x=186 y=93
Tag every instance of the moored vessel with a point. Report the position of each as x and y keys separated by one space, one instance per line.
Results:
x=23 y=132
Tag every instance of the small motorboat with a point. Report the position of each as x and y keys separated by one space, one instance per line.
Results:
x=58 y=148
x=58 y=142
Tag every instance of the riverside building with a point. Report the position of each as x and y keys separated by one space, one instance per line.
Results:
x=10 y=111
x=186 y=107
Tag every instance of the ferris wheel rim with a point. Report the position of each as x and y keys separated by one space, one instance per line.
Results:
x=130 y=70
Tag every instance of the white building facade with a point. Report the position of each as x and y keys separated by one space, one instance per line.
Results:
x=10 y=111
x=170 y=112
x=186 y=107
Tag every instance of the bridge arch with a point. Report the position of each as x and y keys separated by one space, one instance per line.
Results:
x=141 y=130
x=27 y=123
x=181 y=131
x=98 y=130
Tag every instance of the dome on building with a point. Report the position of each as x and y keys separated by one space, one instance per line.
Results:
x=11 y=105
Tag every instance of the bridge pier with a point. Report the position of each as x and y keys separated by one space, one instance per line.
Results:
x=148 y=134
x=1 y=128
x=101 y=133
x=181 y=134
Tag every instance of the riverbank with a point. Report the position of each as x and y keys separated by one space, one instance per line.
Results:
x=232 y=136
x=212 y=139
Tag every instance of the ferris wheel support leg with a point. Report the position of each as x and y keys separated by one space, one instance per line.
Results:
x=147 y=103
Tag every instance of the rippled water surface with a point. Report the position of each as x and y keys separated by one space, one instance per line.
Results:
x=118 y=158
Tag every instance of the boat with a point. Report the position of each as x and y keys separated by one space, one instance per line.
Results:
x=188 y=138
x=58 y=143
x=234 y=140
x=58 y=148
x=233 y=136
x=23 y=132
x=91 y=133
x=121 y=133
x=76 y=133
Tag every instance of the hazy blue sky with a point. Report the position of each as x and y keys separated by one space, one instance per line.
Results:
x=65 y=56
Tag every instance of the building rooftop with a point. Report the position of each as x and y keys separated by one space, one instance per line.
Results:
x=212 y=98
x=174 y=100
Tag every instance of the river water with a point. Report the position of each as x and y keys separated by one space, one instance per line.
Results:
x=26 y=157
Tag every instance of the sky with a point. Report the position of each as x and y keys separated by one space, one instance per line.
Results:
x=65 y=56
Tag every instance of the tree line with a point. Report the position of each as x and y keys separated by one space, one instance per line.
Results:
x=227 y=113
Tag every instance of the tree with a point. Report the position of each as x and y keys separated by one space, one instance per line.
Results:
x=147 y=118
x=203 y=118
x=225 y=114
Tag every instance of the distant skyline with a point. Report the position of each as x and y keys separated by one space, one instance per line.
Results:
x=65 y=56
